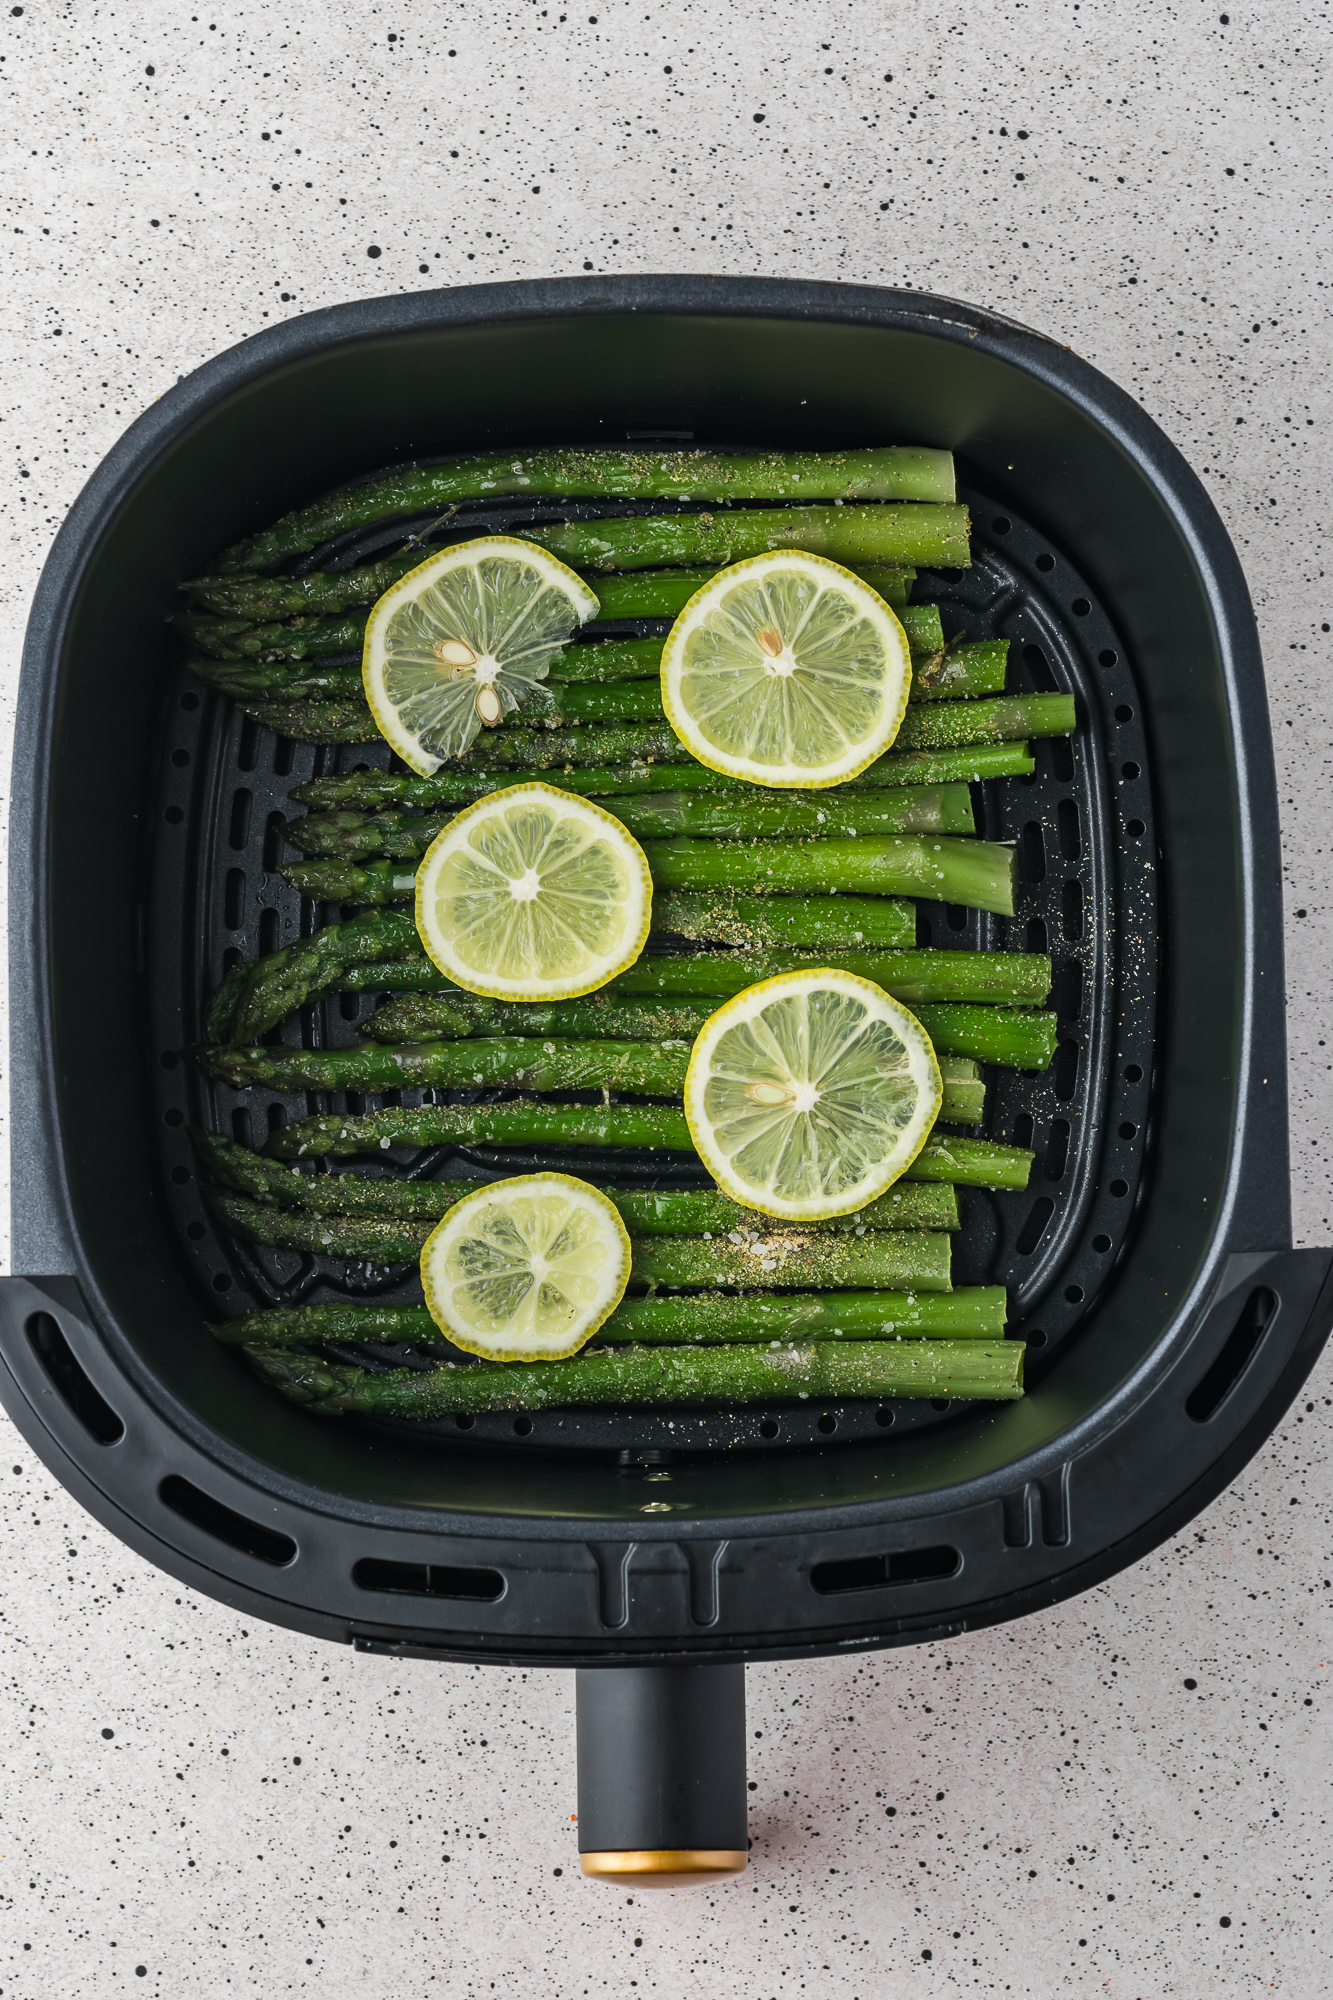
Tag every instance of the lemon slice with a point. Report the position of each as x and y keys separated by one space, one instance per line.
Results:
x=809 y=1094
x=460 y=640
x=527 y=1269
x=786 y=670
x=533 y=894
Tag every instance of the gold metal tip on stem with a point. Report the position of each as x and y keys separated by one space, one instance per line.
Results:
x=666 y=1867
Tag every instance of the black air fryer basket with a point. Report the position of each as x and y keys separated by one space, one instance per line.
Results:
x=1168 y=1321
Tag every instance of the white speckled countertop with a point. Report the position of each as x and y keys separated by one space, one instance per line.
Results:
x=1126 y=1796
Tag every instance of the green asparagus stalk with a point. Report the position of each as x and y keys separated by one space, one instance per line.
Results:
x=1008 y=1037
x=892 y=472
x=1018 y=977
x=639 y=594
x=365 y=791
x=298 y=680
x=974 y=1312
x=342 y=1135
x=822 y=1371
x=910 y=809
x=915 y=1260
x=824 y=921
x=296 y=639
x=374 y=883
x=313 y=721
x=977 y=873
x=934 y=534
x=274 y=985
x=454 y=1015
x=965 y=668
x=657 y=1212
x=502 y=1061
x=610 y=660
x=945 y=724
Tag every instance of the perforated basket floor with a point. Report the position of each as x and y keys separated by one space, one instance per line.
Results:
x=1084 y=829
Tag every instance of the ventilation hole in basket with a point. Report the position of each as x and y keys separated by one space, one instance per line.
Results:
x=269 y=928
x=1074 y=1294
x=1068 y=987
x=465 y=1422
x=885 y=1418
x=522 y=1427
x=1133 y=1074
x=240 y=1126
x=173 y=815
x=253 y=1538
x=1039 y=667
x=195 y=1231
x=1071 y=846
x=180 y=758
x=1134 y=828
x=483 y=1586
x=1213 y=1388
x=768 y=1429
x=1023 y=1130
x=1107 y=658
x=1034 y=852
x=181 y=1175
x=1071 y=910
x=1080 y=607
x=349 y=1005
x=1045 y=562
x=1057 y=1149
x=1036 y=935
x=955 y=916
x=173 y=1117
x=277 y=1117
x=923 y=928
x=239 y=830
x=1001 y=524
x=1128 y=1130
x=189 y=701
x=873 y=1572
x=247 y=750
x=233 y=899
x=1101 y=1244
x=1066 y=1070
x=939 y=1403
x=68 y=1379
x=1129 y=771
x=222 y=1282
x=1062 y=758
x=1036 y=1338
x=169 y=1059
x=1124 y=713
x=284 y=756
x=1029 y=1236
x=273 y=826
x=1119 y=1189
x=827 y=1425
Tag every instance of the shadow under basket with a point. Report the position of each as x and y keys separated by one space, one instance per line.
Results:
x=1167 y=1319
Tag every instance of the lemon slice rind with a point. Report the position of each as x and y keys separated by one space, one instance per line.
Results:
x=533 y=894
x=769 y=1143
x=526 y=1269
x=835 y=698
x=425 y=704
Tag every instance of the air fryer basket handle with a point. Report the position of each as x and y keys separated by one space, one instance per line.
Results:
x=661 y=1755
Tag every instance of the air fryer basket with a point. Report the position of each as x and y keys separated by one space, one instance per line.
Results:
x=1169 y=1321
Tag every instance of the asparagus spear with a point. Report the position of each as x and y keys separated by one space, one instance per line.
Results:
x=367 y=790
x=910 y=809
x=274 y=985
x=297 y=680
x=914 y=1260
x=978 y=873
x=965 y=668
x=664 y=1212
x=506 y=1061
x=609 y=660
x=941 y=725
x=220 y=1013
x=934 y=534
x=297 y=639
x=1022 y=978
x=826 y=1371
x=826 y=921
x=313 y=721
x=373 y=883
x=970 y=1162
x=974 y=1312
x=892 y=472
